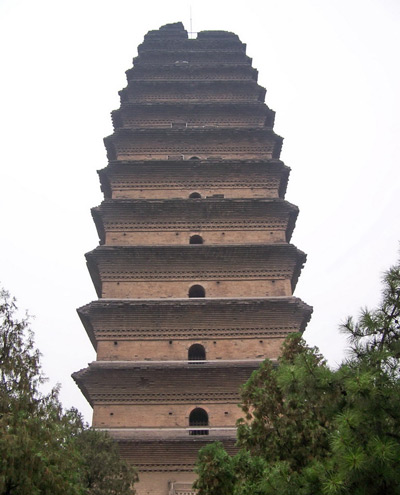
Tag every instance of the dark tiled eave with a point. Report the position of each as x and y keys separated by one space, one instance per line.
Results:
x=183 y=166
x=202 y=212
x=193 y=261
x=162 y=315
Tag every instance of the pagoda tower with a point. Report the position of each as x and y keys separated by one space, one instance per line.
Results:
x=195 y=272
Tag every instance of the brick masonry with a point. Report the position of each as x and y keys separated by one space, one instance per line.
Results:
x=195 y=272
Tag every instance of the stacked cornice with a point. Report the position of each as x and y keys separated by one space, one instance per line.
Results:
x=223 y=221
x=152 y=455
x=203 y=115
x=189 y=143
x=169 y=271
x=110 y=320
x=194 y=206
x=205 y=85
x=139 y=382
x=231 y=178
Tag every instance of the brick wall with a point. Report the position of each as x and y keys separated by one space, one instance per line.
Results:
x=226 y=288
x=160 y=350
x=163 y=416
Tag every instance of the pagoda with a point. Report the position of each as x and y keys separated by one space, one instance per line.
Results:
x=195 y=272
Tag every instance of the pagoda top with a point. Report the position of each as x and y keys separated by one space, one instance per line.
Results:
x=173 y=30
x=176 y=30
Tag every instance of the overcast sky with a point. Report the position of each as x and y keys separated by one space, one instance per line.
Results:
x=332 y=73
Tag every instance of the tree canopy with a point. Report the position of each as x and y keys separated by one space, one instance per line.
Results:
x=308 y=429
x=44 y=449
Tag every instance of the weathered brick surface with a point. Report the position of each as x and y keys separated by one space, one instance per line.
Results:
x=164 y=350
x=159 y=483
x=224 y=288
x=227 y=144
x=211 y=320
x=217 y=221
x=163 y=416
x=200 y=115
x=161 y=237
x=223 y=271
x=193 y=153
x=146 y=382
x=179 y=178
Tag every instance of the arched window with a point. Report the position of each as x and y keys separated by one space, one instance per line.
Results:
x=198 y=417
x=194 y=158
x=196 y=239
x=196 y=352
x=194 y=195
x=197 y=291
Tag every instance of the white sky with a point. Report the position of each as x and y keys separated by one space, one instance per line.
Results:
x=332 y=72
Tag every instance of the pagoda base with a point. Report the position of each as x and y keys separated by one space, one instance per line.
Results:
x=166 y=466
x=160 y=483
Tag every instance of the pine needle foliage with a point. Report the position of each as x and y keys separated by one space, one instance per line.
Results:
x=308 y=429
x=44 y=449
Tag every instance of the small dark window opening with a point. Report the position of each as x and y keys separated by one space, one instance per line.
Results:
x=194 y=195
x=194 y=158
x=178 y=125
x=196 y=239
x=198 y=417
x=197 y=291
x=196 y=352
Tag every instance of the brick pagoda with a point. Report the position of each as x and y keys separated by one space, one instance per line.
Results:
x=195 y=271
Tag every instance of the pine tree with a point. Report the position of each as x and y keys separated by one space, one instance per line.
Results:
x=309 y=429
x=44 y=449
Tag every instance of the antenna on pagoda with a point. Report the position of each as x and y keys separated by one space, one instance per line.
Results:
x=191 y=28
